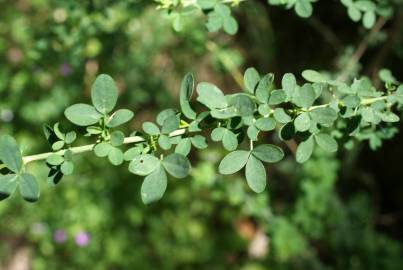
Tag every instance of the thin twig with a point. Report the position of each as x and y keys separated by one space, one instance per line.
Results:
x=361 y=49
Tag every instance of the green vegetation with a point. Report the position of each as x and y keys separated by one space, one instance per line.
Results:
x=184 y=156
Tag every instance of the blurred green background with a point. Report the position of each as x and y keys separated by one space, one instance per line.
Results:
x=339 y=211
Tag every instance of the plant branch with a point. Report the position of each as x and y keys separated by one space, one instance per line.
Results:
x=90 y=147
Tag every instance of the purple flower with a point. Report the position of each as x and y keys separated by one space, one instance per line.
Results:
x=65 y=69
x=59 y=236
x=82 y=239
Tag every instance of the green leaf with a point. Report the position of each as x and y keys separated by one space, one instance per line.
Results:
x=154 y=186
x=29 y=188
x=214 y=22
x=55 y=159
x=10 y=153
x=386 y=76
x=326 y=142
x=117 y=138
x=289 y=83
x=8 y=184
x=302 y=122
x=164 y=142
x=324 y=116
x=68 y=155
x=251 y=79
x=390 y=117
x=354 y=13
x=351 y=101
x=369 y=19
x=67 y=168
x=230 y=25
x=133 y=152
x=163 y=115
x=170 y=124
x=217 y=134
x=70 y=137
x=268 y=153
x=304 y=96
x=313 y=76
x=264 y=87
x=252 y=132
x=183 y=147
x=115 y=156
x=265 y=124
x=104 y=93
x=102 y=149
x=264 y=110
x=304 y=150
x=211 y=96
x=206 y=4
x=243 y=105
x=119 y=118
x=82 y=114
x=224 y=113
x=199 y=142
x=277 y=97
x=143 y=164
x=281 y=116
x=176 y=165
x=151 y=128
x=233 y=162
x=303 y=8
x=186 y=92
x=255 y=174
x=229 y=140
